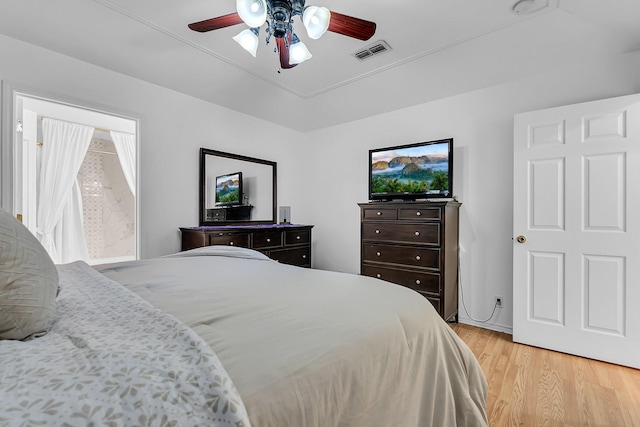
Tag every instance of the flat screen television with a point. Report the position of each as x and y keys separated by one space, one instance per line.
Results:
x=422 y=170
x=229 y=189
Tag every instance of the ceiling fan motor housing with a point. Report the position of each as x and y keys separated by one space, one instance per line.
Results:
x=281 y=12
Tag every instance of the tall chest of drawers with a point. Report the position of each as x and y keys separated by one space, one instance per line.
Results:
x=414 y=244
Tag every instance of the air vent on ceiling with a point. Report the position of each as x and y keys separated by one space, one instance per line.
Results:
x=370 y=51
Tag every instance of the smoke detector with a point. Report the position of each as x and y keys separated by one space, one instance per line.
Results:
x=525 y=7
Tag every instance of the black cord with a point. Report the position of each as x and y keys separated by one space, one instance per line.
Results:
x=462 y=297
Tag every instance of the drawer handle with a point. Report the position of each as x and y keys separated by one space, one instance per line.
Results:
x=378 y=275
x=297 y=237
x=377 y=231
x=417 y=233
x=268 y=240
x=379 y=213
x=418 y=213
x=230 y=243
x=417 y=281
x=304 y=257
x=417 y=257
x=378 y=253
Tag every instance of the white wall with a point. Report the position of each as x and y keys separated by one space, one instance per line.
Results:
x=173 y=128
x=481 y=123
x=323 y=175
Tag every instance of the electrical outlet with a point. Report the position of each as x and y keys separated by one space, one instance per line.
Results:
x=498 y=302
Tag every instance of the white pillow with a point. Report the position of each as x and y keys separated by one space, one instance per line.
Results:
x=28 y=282
x=221 y=250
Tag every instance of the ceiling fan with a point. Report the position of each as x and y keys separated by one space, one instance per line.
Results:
x=278 y=14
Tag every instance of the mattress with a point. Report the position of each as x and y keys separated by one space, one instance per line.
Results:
x=308 y=347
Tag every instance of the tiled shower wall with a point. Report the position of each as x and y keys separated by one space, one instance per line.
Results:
x=108 y=204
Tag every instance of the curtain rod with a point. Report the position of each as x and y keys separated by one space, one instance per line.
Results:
x=95 y=128
x=90 y=150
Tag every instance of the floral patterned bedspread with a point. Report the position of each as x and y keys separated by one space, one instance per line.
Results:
x=113 y=359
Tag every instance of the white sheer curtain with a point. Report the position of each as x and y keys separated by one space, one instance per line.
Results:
x=126 y=148
x=63 y=150
x=68 y=236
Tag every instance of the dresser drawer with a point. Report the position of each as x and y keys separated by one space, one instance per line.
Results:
x=417 y=214
x=370 y=214
x=295 y=256
x=413 y=256
x=230 y=239
x=294 y=237
x=265 y=239
x=216 y=215
x=435 y=302
x=420 y=281
x=419 y=233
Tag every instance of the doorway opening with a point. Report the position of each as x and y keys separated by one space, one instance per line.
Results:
x=74 y=180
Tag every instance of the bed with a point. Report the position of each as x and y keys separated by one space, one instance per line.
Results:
x=226 y=336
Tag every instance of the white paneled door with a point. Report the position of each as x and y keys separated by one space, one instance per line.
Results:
x=576 y=255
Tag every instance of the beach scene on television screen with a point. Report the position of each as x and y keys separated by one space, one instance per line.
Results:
x=228 y=189
x=423 y=169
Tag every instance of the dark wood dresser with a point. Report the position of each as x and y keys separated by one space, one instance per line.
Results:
x=414 y=244
x=287 y=243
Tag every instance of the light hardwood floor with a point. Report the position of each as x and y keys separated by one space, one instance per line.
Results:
x=529 y=386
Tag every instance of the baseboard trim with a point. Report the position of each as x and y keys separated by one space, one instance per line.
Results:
x=490 y=326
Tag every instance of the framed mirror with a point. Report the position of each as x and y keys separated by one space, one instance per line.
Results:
x=236 y=189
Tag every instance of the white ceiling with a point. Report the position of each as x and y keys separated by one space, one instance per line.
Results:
x=439 y=48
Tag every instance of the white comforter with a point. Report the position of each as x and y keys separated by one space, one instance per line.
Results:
x=111 y=359
x=312 y=348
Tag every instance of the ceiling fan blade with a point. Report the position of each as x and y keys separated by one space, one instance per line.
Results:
x=216 y=23
x=284 y=53
x=350 y=26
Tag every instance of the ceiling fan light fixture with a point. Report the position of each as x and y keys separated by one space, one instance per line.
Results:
x=316 y=20
x=252 y=12
x=298 y=51
x=248 y=39
x=279 y=16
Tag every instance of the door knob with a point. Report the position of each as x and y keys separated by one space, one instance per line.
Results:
x=521 y=239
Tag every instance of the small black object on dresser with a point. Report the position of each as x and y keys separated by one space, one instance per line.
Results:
x=287 y=243
x=414 y=244
x=229 y=213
